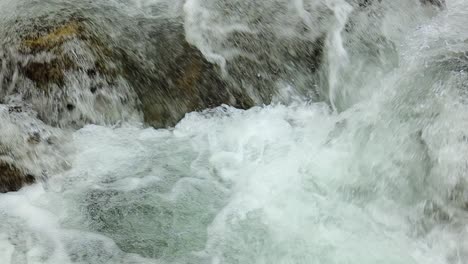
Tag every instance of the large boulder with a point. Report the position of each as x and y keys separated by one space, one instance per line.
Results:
x=103 y=66
x=75 y=74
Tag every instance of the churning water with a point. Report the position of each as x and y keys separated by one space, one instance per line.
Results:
x=378 y=174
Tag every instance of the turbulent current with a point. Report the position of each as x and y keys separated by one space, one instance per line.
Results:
x=369 y=167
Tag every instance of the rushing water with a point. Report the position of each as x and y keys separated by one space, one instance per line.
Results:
x=378 y=177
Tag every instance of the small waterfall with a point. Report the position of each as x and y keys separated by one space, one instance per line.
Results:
x=220 y=131
x=336 y=52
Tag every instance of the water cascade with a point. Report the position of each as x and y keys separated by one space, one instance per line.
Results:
x=216 y=131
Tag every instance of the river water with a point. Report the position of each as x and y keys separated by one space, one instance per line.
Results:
x=377 y=175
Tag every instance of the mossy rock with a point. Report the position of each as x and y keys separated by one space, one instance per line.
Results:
x=67 y=71
x=55 y=38
x=51 y=41
x=44 y=73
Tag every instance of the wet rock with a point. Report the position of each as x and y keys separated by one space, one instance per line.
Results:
x=50 y=71
x=367 y=3
x=103 y=66
x=81 y=74
x=78 y=69
x=458 y=196
x=57 y=40
x=275 y=62
x=34 y=138
x=54 y=38
x=45 y=73
x=16 y=108
x=30 y=151
x=173 y=77
x=265 y=52
x=435 y=212
x=451 y=62
x=12 y=178
x=437 y=3
x=55 y=65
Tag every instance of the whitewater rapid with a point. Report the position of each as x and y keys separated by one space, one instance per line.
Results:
x=383 y=181
x=275 y=184
x=267 y=185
